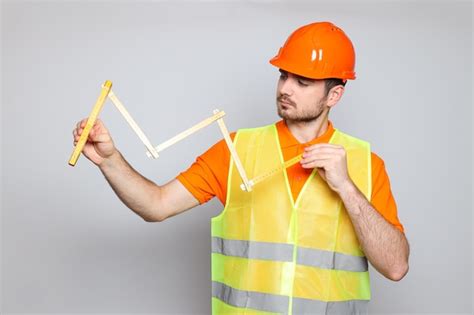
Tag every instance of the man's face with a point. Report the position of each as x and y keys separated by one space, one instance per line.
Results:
x=300 y=99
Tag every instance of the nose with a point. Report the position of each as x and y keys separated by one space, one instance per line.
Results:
x=285 y=86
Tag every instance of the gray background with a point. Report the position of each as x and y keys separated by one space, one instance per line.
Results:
x=69 y=245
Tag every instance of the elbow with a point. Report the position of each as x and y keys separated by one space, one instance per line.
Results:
x=155 y=212
x=154 y=215
x=154 y=219
x=398 y=273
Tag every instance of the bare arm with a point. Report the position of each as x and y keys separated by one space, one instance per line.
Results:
x=384 y=245
x=386 y=248
x=151 y=202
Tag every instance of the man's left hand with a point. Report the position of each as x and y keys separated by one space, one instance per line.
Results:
x=331 y=162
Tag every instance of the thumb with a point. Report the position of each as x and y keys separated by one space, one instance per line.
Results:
x=322 y=172
x=95 y=136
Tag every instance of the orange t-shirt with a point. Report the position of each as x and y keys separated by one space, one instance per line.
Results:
x=207 y=176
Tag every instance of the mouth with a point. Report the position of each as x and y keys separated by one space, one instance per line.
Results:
x=285 y=105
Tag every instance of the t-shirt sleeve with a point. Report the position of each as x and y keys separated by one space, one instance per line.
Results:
x=207 y=176
x=382 y=198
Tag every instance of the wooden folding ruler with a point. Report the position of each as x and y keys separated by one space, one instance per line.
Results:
x=260 y=178
x=107 y=92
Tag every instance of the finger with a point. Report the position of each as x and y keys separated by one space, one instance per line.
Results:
x=314 y=157
x=316 y=163
x=322 y=173
x=321 y=152
x=82 y=126
x=81 y=123
x=322 y=144
x=319 y=162
x=79 y=131
x=325 y=150
x=328 y=151
x=97 y=127
x=99 y=138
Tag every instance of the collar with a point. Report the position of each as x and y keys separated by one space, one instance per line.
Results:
x=288 y=140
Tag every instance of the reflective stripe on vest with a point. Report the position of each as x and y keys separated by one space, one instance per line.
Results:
x=272 y=254
x=254 y=300
x=279 y=303
x=304 y=306
x=284 y=252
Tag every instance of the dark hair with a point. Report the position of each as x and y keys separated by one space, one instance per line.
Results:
x=332 y=82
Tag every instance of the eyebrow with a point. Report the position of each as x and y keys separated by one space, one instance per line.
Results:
x=297 y=76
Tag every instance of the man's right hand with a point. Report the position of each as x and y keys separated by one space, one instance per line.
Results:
x=99 y=145
x=151 y=202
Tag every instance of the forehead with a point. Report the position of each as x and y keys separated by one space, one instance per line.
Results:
x=290 y=74
x=300 y=77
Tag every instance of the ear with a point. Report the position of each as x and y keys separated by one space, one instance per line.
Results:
x=335 y=95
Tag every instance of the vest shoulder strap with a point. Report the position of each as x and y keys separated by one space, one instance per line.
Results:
x=359 y=160
x=342 y=138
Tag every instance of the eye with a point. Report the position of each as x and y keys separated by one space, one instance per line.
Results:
x=283 y=76
x=302 y=83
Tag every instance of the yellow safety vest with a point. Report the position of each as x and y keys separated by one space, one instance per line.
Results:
x=274 y=255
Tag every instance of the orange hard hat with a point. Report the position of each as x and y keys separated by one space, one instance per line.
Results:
x=318 y=51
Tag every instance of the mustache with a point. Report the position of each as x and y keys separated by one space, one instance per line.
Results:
x=284 y=98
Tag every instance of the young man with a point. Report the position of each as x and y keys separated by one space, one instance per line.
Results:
x=300 y=241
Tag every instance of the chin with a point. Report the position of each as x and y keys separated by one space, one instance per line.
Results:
x=283 y=114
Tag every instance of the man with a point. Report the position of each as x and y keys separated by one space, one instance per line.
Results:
x=300 y=241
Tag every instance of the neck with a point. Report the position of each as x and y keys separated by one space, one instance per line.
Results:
x=307 y=131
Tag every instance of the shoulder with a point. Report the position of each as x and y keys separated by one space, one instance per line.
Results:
x=377 y=159
x=378 y=165
x=348 y=141
x=217 y=149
